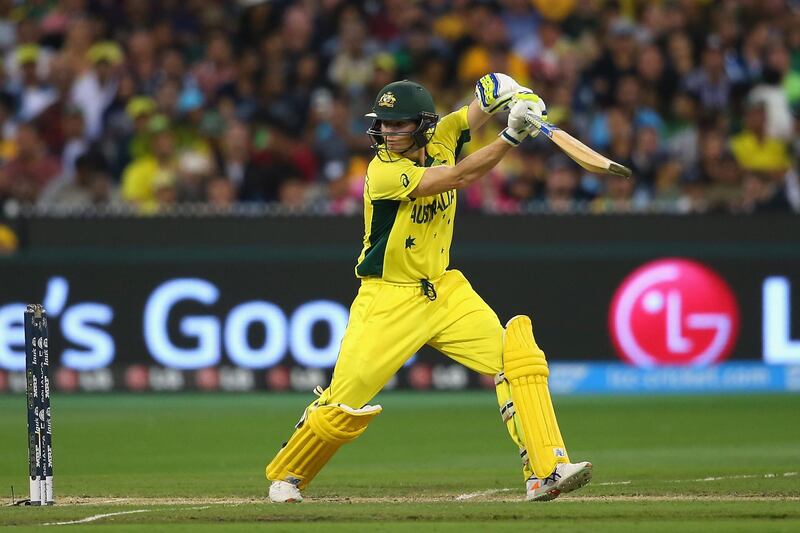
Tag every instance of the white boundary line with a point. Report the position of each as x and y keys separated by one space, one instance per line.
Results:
x=471 y=495
x=95 y=517
x=741 y=476
x=106 y=515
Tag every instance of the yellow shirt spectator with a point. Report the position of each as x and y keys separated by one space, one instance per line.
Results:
x=139 y=182
x=760 y=155
x=477 y=61
x=556 y=10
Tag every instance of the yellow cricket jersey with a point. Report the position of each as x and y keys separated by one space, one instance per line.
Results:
x=408 y=239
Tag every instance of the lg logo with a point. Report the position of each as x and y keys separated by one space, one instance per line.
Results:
x=674 y=312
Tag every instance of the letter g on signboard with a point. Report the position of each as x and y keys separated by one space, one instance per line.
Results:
x=209 y=333
x=204 y=328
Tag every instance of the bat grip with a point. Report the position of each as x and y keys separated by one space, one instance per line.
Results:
x=542 y=125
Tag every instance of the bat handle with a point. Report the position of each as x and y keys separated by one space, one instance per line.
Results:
x=540 y=124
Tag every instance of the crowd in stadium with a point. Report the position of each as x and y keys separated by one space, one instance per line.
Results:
x=149 y=104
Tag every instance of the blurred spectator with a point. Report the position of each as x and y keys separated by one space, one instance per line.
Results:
x=618 y=196
x=527 y=181
x=26 y=175
x=279 y=157
x=682 y=131
x=194 y=170
x=94 y=91
x=712 y=150
x=235 y=153
x=28 y=35
x=752 y=50
x=667 y=188
x=50 y=121
x=710 y=82
x=617 y=60
x=561 y=191
x=8 y=126
x=188 y=124
x=770 y=91
x=352 y=66
x=490 y=49
x=754 y=149
x=761 y=194
x=657 y=84
x=33 y=93
x=647 y=156
x=220 y=193
x=146 y=176
x=164 y=192
x=90 y=186
x=724 y=193
x=292 y=193
x=218 y=69
x=522 y=24
x=135 y=133
x=549 y=60
x=142 y=60
x=75 y=143
x=297 y=31
x=8 y=240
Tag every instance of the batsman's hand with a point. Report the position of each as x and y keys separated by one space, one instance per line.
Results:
x=518 y=128
x=494 y=92
x=534 y=105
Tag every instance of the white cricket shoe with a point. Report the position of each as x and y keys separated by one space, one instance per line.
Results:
x=565 y=478
x=284 y=492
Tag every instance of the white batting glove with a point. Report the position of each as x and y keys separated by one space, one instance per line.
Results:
x=534 y=104
x=494 y=92
x=517 y=128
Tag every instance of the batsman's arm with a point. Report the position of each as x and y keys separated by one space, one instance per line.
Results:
x=445 y=178
x=476 y=116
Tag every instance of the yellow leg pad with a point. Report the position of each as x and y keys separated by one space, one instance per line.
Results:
x=322 y=431
x=526 y=370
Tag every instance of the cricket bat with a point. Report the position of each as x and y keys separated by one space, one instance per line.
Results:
x=576 y=150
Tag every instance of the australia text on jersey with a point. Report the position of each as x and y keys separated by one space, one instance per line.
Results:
x=424 y=213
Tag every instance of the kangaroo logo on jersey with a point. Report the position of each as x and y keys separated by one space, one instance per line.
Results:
x=387 y=100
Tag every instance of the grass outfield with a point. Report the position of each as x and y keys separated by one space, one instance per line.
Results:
x=430 y=462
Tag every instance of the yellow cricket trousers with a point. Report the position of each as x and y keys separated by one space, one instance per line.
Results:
x=390 y=322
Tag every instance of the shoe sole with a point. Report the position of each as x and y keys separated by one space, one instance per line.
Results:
x=576 y=480
x=550 y=495
x=290 y=500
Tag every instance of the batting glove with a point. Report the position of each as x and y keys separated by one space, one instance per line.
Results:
x=517 y=128
x=533 y=104
x=494 y=92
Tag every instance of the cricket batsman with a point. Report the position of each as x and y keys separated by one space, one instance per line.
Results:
x=408 y=297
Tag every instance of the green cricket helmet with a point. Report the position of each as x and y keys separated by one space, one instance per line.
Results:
x=403 y=100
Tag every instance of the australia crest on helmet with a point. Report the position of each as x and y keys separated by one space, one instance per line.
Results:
x=387 y=99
